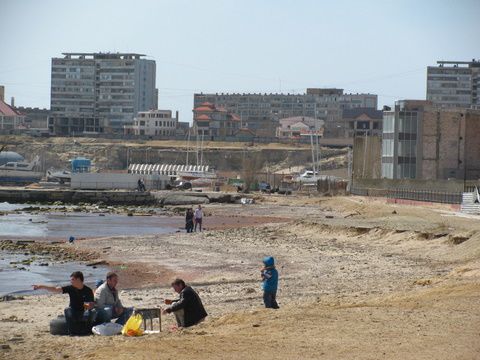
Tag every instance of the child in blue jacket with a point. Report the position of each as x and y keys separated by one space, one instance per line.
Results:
x=270 y=283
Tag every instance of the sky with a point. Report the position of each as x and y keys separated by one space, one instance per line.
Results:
x=381 y=47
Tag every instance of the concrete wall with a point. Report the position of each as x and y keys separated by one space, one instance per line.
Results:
x=443 y=145
x=411 y=184
x=95 y=181
x=367 y=157
x=450 y=145
x=472 y=144
x=21 y=196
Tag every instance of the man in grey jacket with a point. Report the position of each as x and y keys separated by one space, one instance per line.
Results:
x=108 y=304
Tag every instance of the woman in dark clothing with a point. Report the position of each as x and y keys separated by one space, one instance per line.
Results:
x=189 y=220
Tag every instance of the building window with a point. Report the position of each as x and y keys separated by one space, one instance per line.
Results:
x=387 y=147
x=388 y=123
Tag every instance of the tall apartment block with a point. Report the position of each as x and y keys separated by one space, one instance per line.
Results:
x=100 y=92
x=423 y=141
x=454 y=84
x=256 y=109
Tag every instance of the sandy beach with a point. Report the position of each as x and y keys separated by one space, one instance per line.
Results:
x=359 y=279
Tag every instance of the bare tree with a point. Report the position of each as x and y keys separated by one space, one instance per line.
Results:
x=251 y=165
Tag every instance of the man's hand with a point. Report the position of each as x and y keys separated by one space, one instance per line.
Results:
x=118 y=310
x=37 y=287
x=168 y=301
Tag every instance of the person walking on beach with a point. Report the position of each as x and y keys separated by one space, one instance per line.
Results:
x=188 y=309
x=189 y=220
x=108 y=304
x=198 y=217
x=269 y=283
x=141 y=185
x=80 y=314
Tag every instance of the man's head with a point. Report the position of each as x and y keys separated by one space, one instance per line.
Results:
x=112 y=279
x=199 y=206
x=76 y=279
x=178 y=285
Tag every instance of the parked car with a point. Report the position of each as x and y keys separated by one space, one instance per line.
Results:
x=264 y=187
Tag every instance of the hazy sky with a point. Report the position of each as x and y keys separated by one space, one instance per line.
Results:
x=381 y=47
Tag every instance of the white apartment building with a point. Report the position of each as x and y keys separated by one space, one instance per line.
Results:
x=93 y=92
x=154 y=123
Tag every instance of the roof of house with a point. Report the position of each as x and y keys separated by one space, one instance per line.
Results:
x=357 y=112
x=202 y=117
x=296 y=119
x=7 y=110
x=203 y=109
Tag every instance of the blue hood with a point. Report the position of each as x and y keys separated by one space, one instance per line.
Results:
x=269 y=261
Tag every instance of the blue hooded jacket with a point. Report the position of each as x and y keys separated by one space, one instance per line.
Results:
x=269 y=275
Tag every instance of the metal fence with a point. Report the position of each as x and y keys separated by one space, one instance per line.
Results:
x=408 y=194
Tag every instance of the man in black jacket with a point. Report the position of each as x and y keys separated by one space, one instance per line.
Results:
x=188 y=309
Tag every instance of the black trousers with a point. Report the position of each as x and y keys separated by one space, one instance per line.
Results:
x=79 y=322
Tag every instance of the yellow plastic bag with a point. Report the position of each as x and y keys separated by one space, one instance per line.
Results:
x=133 y=326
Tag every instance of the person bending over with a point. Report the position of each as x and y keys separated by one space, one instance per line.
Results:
x=188 y=308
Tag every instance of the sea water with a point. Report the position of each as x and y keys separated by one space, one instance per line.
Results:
x=19 y=282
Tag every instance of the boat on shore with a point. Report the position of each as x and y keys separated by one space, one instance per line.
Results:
x=20 y=172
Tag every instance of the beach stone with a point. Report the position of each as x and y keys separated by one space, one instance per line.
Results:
x=5 y=347
x=184 y=199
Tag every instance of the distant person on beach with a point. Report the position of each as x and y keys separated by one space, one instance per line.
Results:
x=80 y=314
x=141 y=185
x=198 y=217
x=108 y=304
x=269 y=283
x=189 y=220
x=188 y=309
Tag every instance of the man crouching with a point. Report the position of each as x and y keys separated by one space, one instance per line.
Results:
x=188 y=309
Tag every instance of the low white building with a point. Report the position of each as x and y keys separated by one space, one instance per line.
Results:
x=294 y=127
x=154 y=123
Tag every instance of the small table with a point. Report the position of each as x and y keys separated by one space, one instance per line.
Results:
x=150 y=314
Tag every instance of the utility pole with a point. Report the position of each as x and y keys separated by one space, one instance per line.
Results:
x=350 y=174
x=313 y=153
x=365 y=154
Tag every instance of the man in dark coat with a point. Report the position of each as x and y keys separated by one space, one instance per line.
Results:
x=188 y=309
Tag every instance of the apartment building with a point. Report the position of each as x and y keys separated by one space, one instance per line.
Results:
x=422 y=141
x=154 y=123
x=100 y=92
x=454 y=84
x=255 y=110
